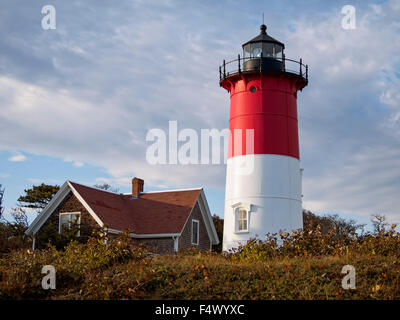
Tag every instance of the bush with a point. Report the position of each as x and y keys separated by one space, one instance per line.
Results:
x=48 y=235
x=299 y=265
x=316 y=243
x=12 y=237
x=21 y=271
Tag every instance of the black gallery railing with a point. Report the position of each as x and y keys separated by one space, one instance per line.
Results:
x=242 y=65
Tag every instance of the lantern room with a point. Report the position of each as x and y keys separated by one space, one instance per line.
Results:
x=263 y=52
x=263 y=46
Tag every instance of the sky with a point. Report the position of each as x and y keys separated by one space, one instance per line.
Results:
x=77 y=102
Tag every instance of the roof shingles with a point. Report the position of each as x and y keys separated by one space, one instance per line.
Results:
x=150 y=213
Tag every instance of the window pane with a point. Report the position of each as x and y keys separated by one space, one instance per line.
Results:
x=268 y=50
x=246 y=51
x=194 y=232
x=64 y=222
x=74 y=218
x=64 y=218
x=256 y=50
x=242 y=220
x=242 y=225
x=278 y=51
x=67 y=220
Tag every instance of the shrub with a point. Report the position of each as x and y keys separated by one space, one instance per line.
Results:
x=299 y=265
x=21 y=271
x=315 y=243
x=48 y=235
x=12 y=237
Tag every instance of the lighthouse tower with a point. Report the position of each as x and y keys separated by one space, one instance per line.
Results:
x=263 y=178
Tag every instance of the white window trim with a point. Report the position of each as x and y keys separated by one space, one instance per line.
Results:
x=237 y=220
x=64 y=213
x=176 y=243
x=236 y=207
x=198 y=229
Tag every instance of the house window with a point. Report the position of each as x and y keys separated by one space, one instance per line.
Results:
x=195 y=232
x=68 y=220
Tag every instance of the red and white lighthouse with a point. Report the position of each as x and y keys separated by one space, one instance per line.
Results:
x=263 y=178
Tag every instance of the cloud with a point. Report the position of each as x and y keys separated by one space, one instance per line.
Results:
x=17 y=158
x=4 y=175
x=348 y=115
x=78 y=164
x=90 y=90
x=364 y=185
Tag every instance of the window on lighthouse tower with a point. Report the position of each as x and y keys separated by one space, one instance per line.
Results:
x=242 y=220
x=242 y=217
x=242 y=224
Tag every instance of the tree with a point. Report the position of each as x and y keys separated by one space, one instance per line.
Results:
x=379 y=222
x=20 y=217
x=343 y=227
x=107 y=187
x=219 y=227
x=12 y=234
x=38 y=196
x=1 y=200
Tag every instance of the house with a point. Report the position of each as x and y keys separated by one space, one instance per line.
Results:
x=164 y=220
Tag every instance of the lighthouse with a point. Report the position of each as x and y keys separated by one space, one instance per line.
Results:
x=263 y=176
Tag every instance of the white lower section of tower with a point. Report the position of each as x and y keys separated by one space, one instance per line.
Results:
x=268 y=189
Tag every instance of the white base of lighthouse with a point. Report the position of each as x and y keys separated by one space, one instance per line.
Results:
x=268 y=188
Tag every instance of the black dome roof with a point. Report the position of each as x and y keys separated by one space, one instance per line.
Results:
x=264 y=37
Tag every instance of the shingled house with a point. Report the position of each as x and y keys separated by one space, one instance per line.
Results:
x=166 y=221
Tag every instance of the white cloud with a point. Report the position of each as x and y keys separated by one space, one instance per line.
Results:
x=17 y=158
x=367 y=184
x=95 y=133
x=4 y=175
x=78 y=164
x=349 y=114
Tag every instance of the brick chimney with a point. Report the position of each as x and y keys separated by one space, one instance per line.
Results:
x=137 y=186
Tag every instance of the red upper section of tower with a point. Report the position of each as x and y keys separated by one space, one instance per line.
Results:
x=267 y=104
x=263 y=85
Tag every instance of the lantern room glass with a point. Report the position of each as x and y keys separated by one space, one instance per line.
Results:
x=247 y=51
x=263 y=49
x=256 y=50
x=278 y=51
x=268 y=50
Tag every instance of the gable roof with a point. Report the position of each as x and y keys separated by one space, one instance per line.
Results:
x=150 y=214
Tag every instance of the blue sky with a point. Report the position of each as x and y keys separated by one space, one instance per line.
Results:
x=77 y=102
